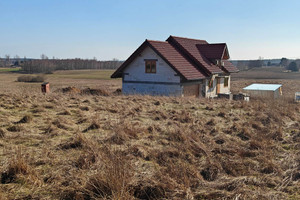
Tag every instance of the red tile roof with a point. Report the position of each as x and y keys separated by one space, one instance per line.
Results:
x=229 y=67
x=189 y=47
x=171 y=55
x=192 y=59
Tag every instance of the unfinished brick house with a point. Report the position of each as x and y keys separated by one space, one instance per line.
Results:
x=177 y=67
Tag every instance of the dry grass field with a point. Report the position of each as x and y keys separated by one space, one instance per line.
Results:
x=70 y=145
x=59 y=79
x=267 y=73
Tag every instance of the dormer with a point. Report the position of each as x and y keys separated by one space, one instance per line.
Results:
x=214 y=52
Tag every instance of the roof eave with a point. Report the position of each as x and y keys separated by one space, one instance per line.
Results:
x=197 y=79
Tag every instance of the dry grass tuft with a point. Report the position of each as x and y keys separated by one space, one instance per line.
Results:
x=52 y=130
x=61 y=123
x=16 y=166
x=71 y=90
x=15 y=128
x=98 y=92
x=149 y=191
x=25 y=119
x=112 y=180
x=78 y=142
x=2 y=133
x=93 y=126
x=84 y=108
x=2 y=196
x=210 y=173
x=65 y=112
x=86 y=160
x=86 y=91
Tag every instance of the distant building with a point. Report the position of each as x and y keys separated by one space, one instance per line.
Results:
x=264 y=90
x=297 y=96
x=177 y=67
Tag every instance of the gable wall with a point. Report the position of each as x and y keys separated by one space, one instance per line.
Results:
x=163 y=82
x=136 y=69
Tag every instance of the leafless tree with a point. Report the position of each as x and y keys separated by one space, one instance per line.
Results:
x=47 y=65
x=44 y=57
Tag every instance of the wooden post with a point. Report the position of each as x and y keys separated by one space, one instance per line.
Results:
x=45 y=87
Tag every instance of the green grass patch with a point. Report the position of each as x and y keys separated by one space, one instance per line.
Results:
x=10 y=69
x=83 y=74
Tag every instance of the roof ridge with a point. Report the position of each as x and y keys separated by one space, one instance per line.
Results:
x=187 y=38
x=213 y=44
x=156 y=41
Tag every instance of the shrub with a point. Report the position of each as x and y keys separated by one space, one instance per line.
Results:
x=26 y=78
x=293 y=67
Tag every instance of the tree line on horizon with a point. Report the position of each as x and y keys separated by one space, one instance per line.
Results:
x=50 y=65
x=46 y=65
x=288 y=64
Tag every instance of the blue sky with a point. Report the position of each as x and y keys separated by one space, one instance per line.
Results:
x=108 y=29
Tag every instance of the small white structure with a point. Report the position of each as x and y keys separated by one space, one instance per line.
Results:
x=273 y=91
x=297 y=96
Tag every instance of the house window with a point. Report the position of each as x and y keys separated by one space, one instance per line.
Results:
x=226 y=80
x=150 y=66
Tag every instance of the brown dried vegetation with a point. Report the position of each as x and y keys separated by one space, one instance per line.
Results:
x=78 y=146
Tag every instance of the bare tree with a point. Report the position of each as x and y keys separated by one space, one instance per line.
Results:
x=48 y=65
x=1 y=62
x=7 y=60
x=284 y=62
x=44 y=57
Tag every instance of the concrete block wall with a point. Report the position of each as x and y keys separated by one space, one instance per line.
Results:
x=152 y=89
x=164 y=82
x=136 y=70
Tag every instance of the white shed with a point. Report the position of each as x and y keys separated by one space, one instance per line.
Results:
x=264 y=90
x=297 y=96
